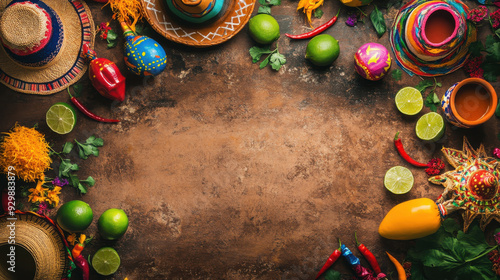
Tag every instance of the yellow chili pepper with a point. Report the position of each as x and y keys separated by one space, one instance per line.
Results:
x=399 y=267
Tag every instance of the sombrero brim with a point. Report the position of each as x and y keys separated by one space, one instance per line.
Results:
x=42 y=239
x=70 y=65
x=234 y=18
x=411 y=63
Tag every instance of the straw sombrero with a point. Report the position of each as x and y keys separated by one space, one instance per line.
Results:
x=232 y=18
x=41 y=250
x=42 y=44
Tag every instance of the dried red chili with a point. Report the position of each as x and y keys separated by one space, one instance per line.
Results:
x=87 y=112
x=369 y=257
x=317 y=30
x=330 y=261
x=434 y=166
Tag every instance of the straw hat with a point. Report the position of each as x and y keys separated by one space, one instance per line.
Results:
x=42 y=239
x=41 y=44
x=232 y=18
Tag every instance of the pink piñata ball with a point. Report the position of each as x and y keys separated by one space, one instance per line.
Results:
x=372 y=61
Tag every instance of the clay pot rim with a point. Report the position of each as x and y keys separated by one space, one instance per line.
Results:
x=450 y=38
x=489 y=88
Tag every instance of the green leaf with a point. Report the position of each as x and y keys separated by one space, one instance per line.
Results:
x=89 y=181
x=450 y=225
x=67 y=147
x=73 y=180
x=274 y=2
x=111 y=36
x=432 y=101
x=493 y=51
x=476 y=48
x=112 y=44
x=92 y=140
x=318 y=13
x=277 y=60
x=264 y=62
x=263 y=2
x=490 y=40
x=66 y=167
x=491 y=71
x=424 y=84
x=82 y=189
x=257 y=52
x=497 y=111
x=396 y=74
x=264 y=10
x=331 y=274
x=378 y=21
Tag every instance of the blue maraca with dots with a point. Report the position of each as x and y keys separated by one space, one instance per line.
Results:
x=143 y=55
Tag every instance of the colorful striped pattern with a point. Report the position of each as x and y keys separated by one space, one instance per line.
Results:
x=405 y=36
x=66 y=79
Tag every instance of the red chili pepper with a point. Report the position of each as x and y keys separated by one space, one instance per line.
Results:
x=330 y=261
x=369 y=257
x=83 y=264
x=317 y=30
x=87 y=112
x=433 y=166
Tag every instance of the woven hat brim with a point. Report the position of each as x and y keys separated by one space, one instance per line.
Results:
x=42 y=239
x=70 y=65
x=224 y=28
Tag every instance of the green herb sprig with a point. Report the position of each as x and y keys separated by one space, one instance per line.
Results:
x=274 y=58
x=378 y=21
x=432 y=100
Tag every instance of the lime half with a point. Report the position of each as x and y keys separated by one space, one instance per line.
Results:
x=409 y=101
x=61 y=118
x=398 y=180
x=430 y=127
x=106 y=261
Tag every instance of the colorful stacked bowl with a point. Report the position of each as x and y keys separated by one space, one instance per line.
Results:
x=432 y=38
x=195 y=11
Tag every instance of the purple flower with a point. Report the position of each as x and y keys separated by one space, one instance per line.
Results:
x=42 y=208
x=61 y=182
x=496 y=152
x=352 y=20
x=478 y=14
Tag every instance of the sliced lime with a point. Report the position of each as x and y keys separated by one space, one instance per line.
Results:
x=398 y=180
x=61 y=118
x=430 y=127
x=409 y=101
x=106 y=261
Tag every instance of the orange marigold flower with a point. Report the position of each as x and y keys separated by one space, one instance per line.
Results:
x=26 y=150
x=53 y=196
x=38 y=194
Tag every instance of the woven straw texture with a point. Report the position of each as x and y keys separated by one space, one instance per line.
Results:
x=42 y=240
x=70 y=64
x=33 y=20
x=234 y=17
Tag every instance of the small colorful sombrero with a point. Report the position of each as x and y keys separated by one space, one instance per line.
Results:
x=214 y=24
x=432 y=38
x=41 y=44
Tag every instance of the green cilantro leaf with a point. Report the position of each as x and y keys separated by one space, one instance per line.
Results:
x=432 y=101
x=318 y=13
x=257 y=52
x=111 y=36
x=73 y=180
x=264 y=10
x=66 y=167
x=277 y=60
x=378 y=21
x=493 y=52
x=491 y=71
x=424 y=84
x=264 y=62
x=112 y=44
x=396 y=74
x=89 y=181
x=97 y=142
x=67 y=147
x=274 y=2
x=331 y=274
x=476 y=48
x=82 y=188
x=490 y=40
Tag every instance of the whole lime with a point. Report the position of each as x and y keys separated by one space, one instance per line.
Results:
x=322 y=50
x=264 y=29
x=112 y=224
x=74 y=216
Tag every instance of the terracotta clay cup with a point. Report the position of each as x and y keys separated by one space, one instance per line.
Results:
x=469 y=103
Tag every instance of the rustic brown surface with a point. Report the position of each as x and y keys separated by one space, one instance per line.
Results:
x=231 y=172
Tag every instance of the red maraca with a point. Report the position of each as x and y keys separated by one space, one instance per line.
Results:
x=105 y=76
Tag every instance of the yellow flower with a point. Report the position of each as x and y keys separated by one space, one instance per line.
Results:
x=53 y=196
x=38 y=193
x=71 y=238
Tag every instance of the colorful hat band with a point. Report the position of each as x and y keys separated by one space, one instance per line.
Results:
x=45 y=52
x=213 y=9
